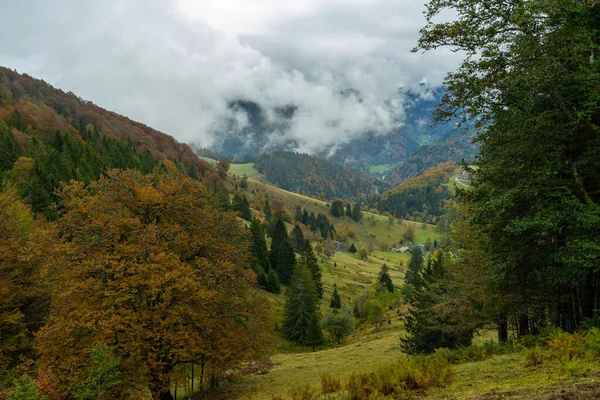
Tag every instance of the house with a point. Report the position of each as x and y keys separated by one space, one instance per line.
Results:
x=341 y=247
x=402 y=249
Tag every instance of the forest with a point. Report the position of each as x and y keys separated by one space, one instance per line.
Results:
x=317 y=177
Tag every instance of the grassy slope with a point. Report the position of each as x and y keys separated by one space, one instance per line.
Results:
x=248 y=170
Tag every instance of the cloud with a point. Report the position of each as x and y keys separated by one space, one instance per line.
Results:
x=175 y=65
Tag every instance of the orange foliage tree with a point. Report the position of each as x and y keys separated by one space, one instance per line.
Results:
x=147 y=266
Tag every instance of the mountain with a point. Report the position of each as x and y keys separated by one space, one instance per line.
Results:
x=45 y=110
x=314 y=176
x=48 y=137
x=455 y=147
x=253 y=130
x=420 y=198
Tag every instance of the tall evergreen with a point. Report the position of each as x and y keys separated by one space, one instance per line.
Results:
x=414 y=268
x=286 y=261
x=336 y=300
x=300 y=307
x=337 y=208
x=241 y=204
x=310 y=260
x=298 y=214
x=260 y=254
x=278 y=235
x=298 y=238
x=356 y=213
x=349 y=210
x=267 y=211
x=9 y=148
x=272 y=282
x=315 y=333
x=385 y=281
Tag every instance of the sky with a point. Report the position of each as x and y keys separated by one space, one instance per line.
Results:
x=175 y=64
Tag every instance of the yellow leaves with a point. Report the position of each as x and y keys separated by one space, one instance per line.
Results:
x=16 y=218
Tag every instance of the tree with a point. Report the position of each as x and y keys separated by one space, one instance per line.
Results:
x=102 y=375
x=429 y=326
x=298 y=238
x=414 y=268
x=363 y=254
x=315 y=334
x=300 y=307
x=260 y=254
x=409 y=233
x=530 y=79
x=310 y=260
x=352 y=249
x=356 y=213
x=278 y=235
x=223 y=165
x=337 y=208
x=272 y=282
x=9 y=148
x=286 y=261
x=336 y=301
x=349 y=210
x=338 y=325
x=385 y=281
x=298 y=214
x=267 y=211
x=148 y=266
x=240 y=204
x=16 y=121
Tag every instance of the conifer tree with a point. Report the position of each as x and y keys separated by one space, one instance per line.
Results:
x=414 y=268
x=286 y=261
x=352 y=249
x=298 y=214
x=385 y=281
x=315 y=334
x=267 y=211
x=310 y=260
x=336 y=301
x=260 y=254
x=240 y=204
x=356 y=213
x=300 y=307
x=298 y=238
x=349 y=210
x=9 y=148
x=278 y=235
x=272 y=282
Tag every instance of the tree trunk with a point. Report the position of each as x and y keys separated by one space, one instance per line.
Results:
x=502 y=330
x=166 y=396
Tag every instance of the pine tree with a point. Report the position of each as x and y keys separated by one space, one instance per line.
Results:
x=349 y=210
x=300 y=307
x=337 y=208
x=356 y=213
x=298 y=214
x=414 y=268
x=336 y=301
x=272 y=282
x=267 y=211
x=298 y=238
x=278 y=235
x=240 y=204
x=310 y=260
x=385 y=281
x=260 y=254
x=352 y=249
x=9 y=148
x=315 y=334
x=286 y=261
x=305 y=217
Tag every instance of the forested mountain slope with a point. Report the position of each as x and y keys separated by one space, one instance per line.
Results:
x=314 y=176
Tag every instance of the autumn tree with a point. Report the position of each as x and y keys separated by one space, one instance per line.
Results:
x=148 y=266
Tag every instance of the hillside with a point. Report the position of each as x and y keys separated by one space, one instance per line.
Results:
x=45 y=110
x=315 y=177
x=420 y=198
x=456 y=147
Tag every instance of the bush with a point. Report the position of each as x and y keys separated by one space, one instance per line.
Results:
x=564 y=346
x=534 y=356
x=303 y=393
x=25 y=389
x=330 y=384
x=593 y=340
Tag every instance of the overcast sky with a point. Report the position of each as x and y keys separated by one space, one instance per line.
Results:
x=173 y=64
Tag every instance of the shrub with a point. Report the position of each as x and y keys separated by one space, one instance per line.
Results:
x=593 y=340
x=330 y=384
x=564 y=346
x=25 y=389
x=303 y=393
x=534 y=356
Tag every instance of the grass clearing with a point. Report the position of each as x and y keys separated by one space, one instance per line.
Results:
x=248 y=170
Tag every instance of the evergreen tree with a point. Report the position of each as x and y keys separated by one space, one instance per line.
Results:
x=272 y=282
x=356 y=213
x=261 y=278
x=352 y=249
x=337 y=208
x=298 y=238
x=267 y=211
x=300 y=307
x=385 y=281
x=9 y=148
x=16 y=120
x=278 y=235
x=305 y=218
x=428 y=327
x=414 y=268
x=286 y=261
x=260 y=254
x=298 y=214
x=315 y=334
x=310 y=260
x=349 y=210
x=336 y=301
x=240 y=204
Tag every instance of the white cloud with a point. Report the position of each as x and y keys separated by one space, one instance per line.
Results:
x=174 y=65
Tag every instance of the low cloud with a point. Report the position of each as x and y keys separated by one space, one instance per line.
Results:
x=176 y=65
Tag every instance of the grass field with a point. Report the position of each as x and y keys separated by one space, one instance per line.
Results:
x=380 y=170
x=248 y=170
